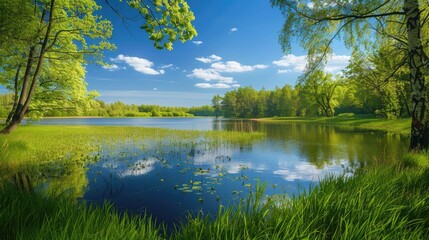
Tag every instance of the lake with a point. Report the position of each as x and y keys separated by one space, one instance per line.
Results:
x=169 y=179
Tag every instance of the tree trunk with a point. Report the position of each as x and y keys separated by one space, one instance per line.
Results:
x=10 y=127
x=27 y=94
x=15 y=95
x=420 y=121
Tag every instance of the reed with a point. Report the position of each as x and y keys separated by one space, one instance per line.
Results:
x=26 y=215
x=376 y=203
x=390 y=203
x=379 y=204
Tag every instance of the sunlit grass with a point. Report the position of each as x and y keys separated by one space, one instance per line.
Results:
x=396 y=126
x=390 y=203
x=25 y=215
x=418 y=160
x=377 y=203
x=50 y=143
x=380 y=204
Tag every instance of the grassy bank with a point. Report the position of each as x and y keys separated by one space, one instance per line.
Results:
x=26 y=215
x=377 y=203
x=387 y=203
x=37 y=143
x=397 y=126
x=382 y=204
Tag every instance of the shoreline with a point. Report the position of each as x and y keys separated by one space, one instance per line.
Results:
x=395 y=126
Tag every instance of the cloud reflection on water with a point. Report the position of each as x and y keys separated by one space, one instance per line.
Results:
x=292 y=171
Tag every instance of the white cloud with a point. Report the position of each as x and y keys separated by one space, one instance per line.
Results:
x=166 y=66
x=280 y=71
x=139 y=64
x=337 y=63
x=155 y=89
x=197 y=42
x=234 y=29
x=209 y=75
x=213 y=73
x=259 y=66
x=292 y=63
x=141 y=167
x=111 y=67
x=307 y=171
x=208 y=85
x=212 y=58
x=233 y=66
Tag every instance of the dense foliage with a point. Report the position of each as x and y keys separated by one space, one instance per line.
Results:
x=322 y=94
x=373 y=83
x=43 y=39
x=117 y=109
x=394 y=32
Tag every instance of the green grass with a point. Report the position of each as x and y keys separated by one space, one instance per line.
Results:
x=389 y=203
x=417 y=160
x=60 y=154
x=396 y=126
x=379 y=204
x=36 y=144
x=25 y=215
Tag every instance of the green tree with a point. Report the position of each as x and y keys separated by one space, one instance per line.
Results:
x=349 y=101
x=380 y=80
x=288 y=101
x=273 y=103
x=217 y=105
x=263 y=96
x=246 y=102
x=166 y=21
x=50 y=48
x=229 y=104
x=53 y=39
x=317 y=23
x=321 y=88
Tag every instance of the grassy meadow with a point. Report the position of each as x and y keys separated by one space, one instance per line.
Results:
x=36 y=144
x=379 y=202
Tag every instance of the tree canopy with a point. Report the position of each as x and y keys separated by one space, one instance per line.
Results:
x=364 y=25
x=46 y=45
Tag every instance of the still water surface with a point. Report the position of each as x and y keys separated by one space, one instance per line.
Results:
x=167 y=180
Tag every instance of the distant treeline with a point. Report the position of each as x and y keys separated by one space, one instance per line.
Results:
x=319 y=94
x=116 y=109
x=120 y=109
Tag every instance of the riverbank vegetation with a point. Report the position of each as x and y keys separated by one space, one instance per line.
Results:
x=36 y=144
x=98 y=108
x=392 y=126
x=378 y=201
x=386 y=202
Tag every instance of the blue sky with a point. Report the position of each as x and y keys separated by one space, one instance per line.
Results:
x=237 y=45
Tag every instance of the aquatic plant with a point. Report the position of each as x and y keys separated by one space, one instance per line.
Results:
x=378 y=204
x=388 y=203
